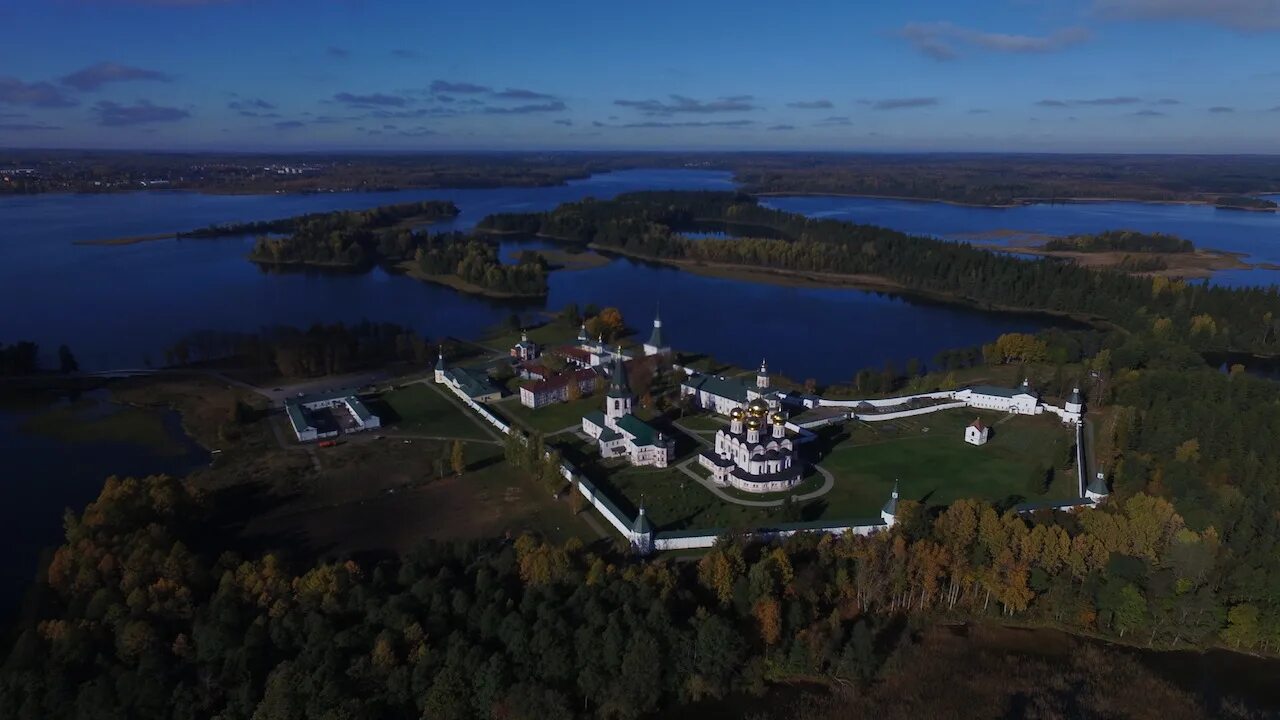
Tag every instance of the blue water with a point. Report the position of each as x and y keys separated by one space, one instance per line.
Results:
x=1256 y=234
x=44 y=475
x=123 y=306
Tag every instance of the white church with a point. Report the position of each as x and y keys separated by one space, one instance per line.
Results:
x=757 y=453
x=619 y=433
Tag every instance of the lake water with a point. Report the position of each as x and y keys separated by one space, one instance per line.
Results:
x=1257 y=234
x=43 y=475
x=123 y=306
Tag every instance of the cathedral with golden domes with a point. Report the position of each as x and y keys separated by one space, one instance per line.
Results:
x=757 y=452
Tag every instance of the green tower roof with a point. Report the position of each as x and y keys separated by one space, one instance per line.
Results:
x=641 y=526
x=655 y=338
x=618 y=386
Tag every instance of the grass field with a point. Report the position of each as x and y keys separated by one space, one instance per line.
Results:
x=1026 y=457
x=704 y=423
x=553 y=417
x=424 y=410
x=554 y=332
x=388 y=495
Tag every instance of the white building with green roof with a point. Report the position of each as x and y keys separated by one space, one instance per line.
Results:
x=722 y=395
x=618 y=432
x=325 y=415
x=1020 y=400
x=474 y=384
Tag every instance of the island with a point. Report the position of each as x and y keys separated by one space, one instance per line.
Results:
x=357 y=240
x=1244 y=202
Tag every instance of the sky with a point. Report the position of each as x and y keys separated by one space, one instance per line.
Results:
x=1184 y=76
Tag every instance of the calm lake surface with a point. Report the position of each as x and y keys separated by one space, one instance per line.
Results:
x=123 y=306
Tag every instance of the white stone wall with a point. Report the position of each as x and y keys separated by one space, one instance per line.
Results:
x=882 y=402
x=878 y=417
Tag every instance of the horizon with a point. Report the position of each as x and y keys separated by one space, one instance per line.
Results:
x=995 y=77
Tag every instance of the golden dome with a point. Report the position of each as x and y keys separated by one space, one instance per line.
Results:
x=753 y=423
x=736 y=413
x=778 y=418
x=758 y=407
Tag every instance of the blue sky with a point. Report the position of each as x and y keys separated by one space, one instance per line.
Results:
x=981 y=75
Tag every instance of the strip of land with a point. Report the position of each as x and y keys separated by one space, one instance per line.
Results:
x=128 y=239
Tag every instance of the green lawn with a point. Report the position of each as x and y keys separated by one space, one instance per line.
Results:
x=927 y=455
x=388 y=495
x=555 y=332
x=424 y=410
x=553 y=417
x=704 y=423
x=1026 y=457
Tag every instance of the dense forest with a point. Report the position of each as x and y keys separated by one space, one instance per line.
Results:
x=144 y=617
x=293 y=352
x=1122 y=241
x=1201 y=315
x=346 y=238
x=476 y=261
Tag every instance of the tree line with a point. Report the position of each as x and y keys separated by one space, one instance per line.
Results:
x=23 y=358
x=476 y=261
x=322 y=349
x=1201 y=315
x=142 y=616
x=1122 y=241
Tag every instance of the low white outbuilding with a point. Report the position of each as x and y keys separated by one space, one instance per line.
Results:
x=976 y=433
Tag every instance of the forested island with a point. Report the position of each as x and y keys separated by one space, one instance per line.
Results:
x=1130 y=241
x=356 y=240
x=475 y=262
x=1242 y=202
x=647 y=225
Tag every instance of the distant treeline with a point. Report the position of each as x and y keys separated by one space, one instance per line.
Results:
x=476 y=261
x=23 y=358
x=1246 y=202
x=1002 y=179
x=1202 y=315
x=1122 y=241
x=318 y=350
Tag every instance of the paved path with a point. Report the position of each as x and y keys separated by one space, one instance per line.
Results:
x=829 y=482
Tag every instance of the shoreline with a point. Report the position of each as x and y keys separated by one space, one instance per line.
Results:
x=128 y=239
x=454 y=282
x=837 y=281
x=1019 y=202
